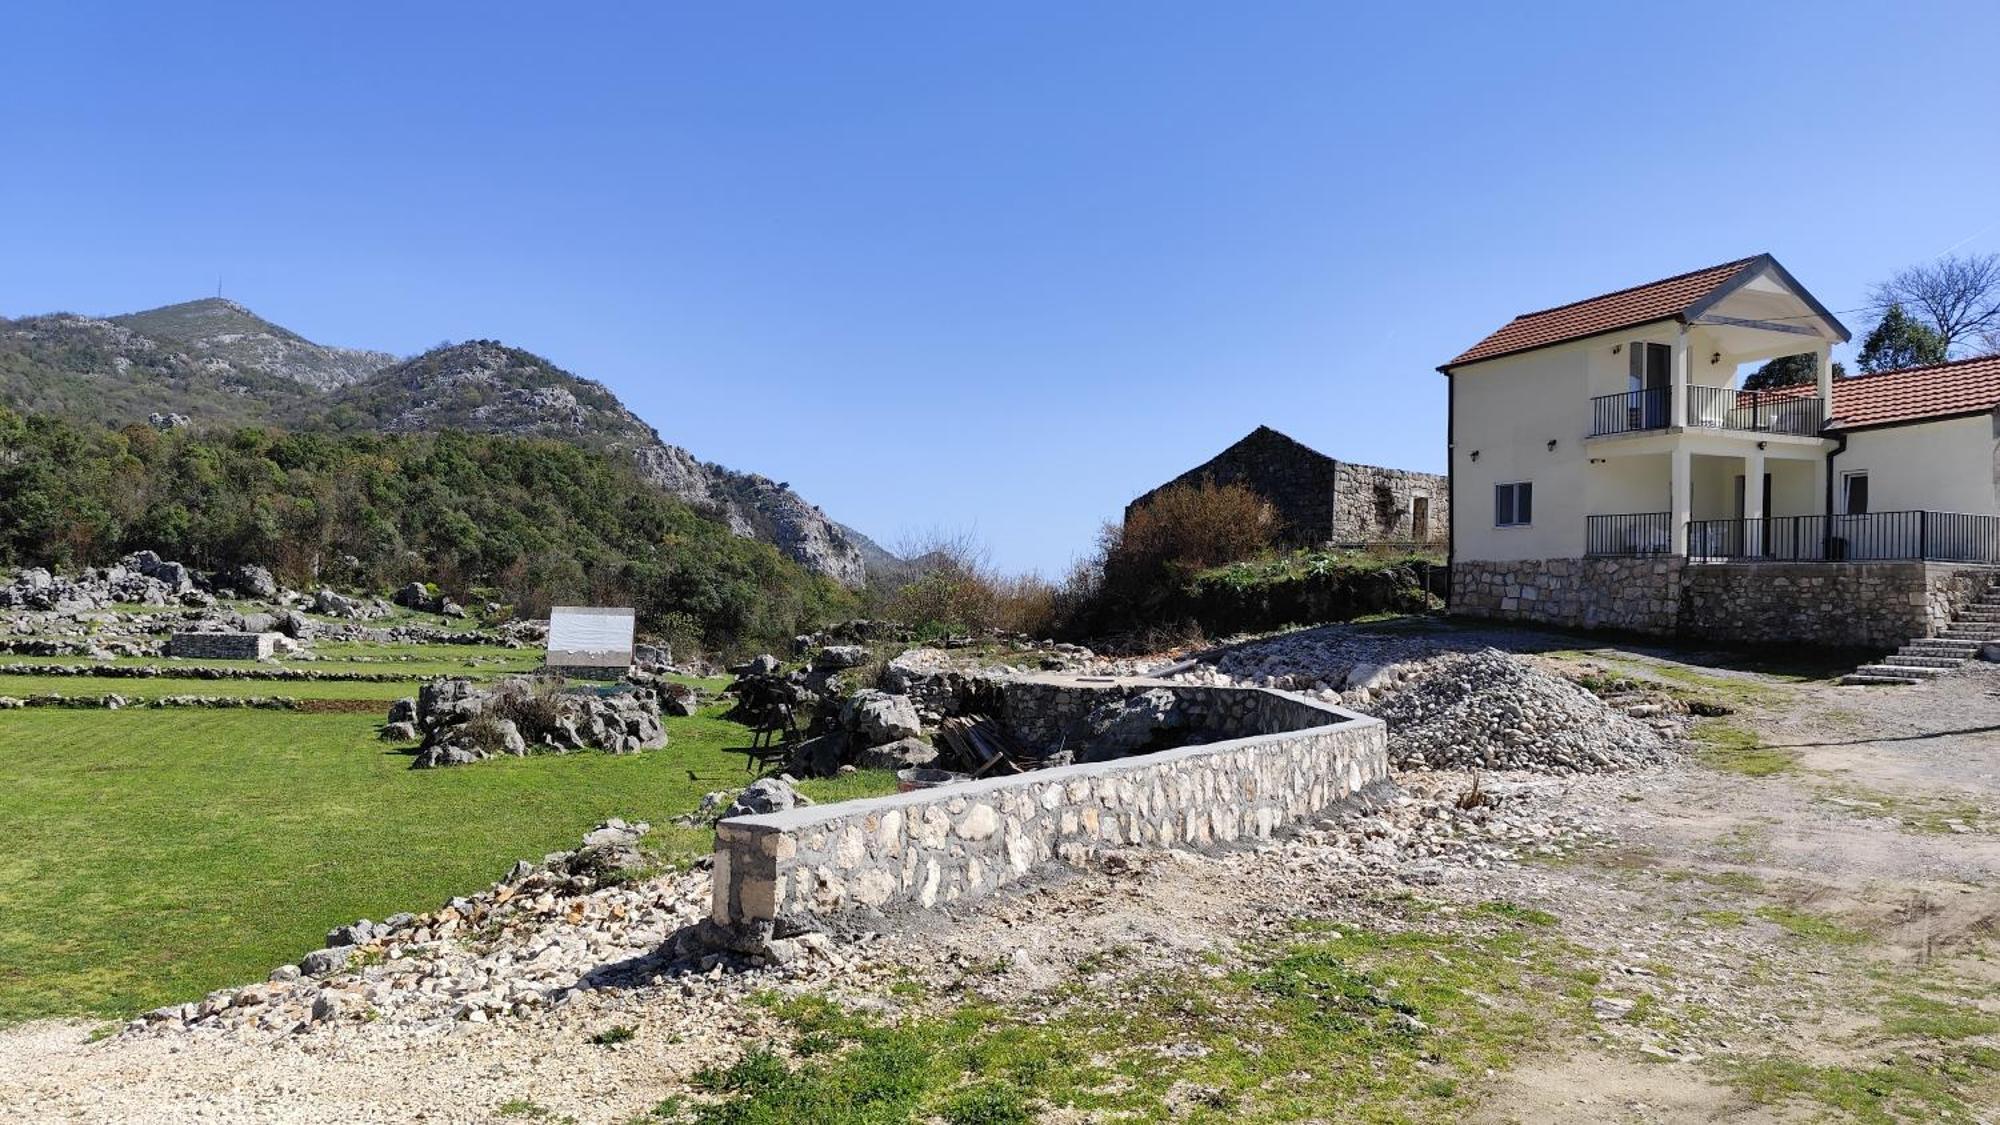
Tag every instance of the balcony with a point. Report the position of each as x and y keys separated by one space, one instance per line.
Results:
x=1637 y=533
x=1710 y=408
x=1756 y=412
x=1914 y=536
x=1631 y=412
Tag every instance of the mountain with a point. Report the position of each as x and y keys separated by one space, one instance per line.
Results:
x=487 y=387
x=94 y=370
x=217 y=363
x=225 y=335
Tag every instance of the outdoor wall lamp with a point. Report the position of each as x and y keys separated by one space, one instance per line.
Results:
x=1552 y=445
x=1475 y=455
x=1714 y=358
x=1760 y=445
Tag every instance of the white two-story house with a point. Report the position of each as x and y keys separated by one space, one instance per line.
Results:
x=1607 y=470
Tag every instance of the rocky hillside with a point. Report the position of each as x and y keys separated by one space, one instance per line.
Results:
x=212 y=362
x=486 y=387
x=223 y=335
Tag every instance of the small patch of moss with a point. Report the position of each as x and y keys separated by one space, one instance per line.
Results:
x=1733 y=749
x=1812 y=927
x=1514 y=912
x=1926 y=1017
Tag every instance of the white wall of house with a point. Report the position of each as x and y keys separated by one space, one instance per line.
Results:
x=1617 y=486
x=1951 y=465
x=1506 y=411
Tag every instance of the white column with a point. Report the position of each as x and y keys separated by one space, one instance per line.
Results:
x=1683 y=497
x=1819 y=485
x=1753 y=502
x=1682 y=370
x=1824 y=354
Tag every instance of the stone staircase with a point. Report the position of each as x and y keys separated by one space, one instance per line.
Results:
x=1974 y=627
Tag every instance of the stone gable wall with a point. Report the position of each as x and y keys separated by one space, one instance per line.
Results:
x=1293 y=759
x=1298 y=481
x=1373 y=505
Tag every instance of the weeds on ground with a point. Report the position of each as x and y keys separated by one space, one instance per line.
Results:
x=1812 y=927
x=1733 y=749
x=1386 y=1024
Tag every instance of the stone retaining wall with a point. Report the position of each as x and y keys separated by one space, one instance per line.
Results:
x=223 y=646
x=1292 y=760
x=1848 y=604
x=1852 y=604
x=1639 y=594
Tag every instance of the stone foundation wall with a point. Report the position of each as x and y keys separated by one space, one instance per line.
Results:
x=1639 y=594
x=222 y=646
x=1949 y=589
x=1373 y=504
x=1853 y=604
x=1295 y=760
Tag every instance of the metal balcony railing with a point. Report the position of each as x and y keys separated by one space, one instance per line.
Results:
x=1637 y=533
x=1631 y=412
x=1761 y=412
x=1913 y=536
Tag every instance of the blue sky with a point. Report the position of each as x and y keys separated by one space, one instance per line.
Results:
x=996 y=268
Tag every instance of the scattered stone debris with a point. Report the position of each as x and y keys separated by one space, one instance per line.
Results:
x=546 y=933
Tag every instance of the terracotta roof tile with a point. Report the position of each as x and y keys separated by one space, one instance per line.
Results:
x=1641 y=304
x=1966 y=386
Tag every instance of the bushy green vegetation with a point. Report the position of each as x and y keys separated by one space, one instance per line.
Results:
x=1204 y=559
x=156 y=855
x=525 y=521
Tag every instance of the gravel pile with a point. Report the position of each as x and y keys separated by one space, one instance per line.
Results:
x=1489 y=710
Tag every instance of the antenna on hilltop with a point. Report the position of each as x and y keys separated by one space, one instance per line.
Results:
x=218 y=286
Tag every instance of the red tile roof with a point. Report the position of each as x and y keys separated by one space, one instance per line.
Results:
x=1641 y=304
x=1966 y=386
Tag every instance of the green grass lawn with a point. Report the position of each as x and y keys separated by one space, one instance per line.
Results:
x=155 y=855
x=155 y=687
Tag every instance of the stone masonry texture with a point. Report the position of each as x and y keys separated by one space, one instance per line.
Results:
x=1857 y=604
x=1285 y=759
x=222 y=646
x=1320 y=500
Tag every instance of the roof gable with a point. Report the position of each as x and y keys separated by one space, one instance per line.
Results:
x=1683 y=296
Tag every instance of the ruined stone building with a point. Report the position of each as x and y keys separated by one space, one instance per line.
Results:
x=1321 y=501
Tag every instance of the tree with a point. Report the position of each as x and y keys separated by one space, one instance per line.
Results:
x=1900 y=340
x=1789 y=371
x=1957 y=298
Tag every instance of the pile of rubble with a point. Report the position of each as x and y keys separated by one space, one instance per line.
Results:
x=463 y=721
x=1489 y=710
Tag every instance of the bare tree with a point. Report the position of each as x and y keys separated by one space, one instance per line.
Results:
x=1958 y=296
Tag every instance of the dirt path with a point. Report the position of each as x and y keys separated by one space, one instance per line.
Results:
x=1794 y=925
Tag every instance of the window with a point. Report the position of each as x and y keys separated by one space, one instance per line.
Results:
x=1854 y=493
x=1513 y=504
